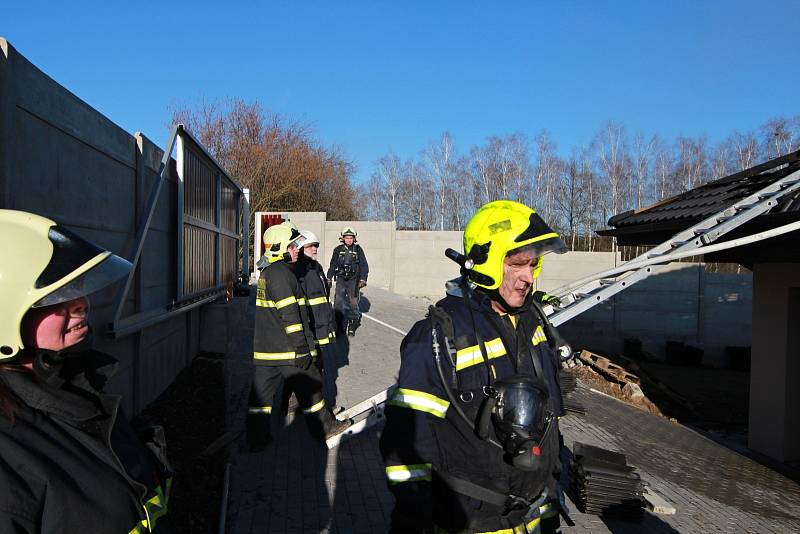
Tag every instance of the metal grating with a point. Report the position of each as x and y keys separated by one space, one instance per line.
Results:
x=209 y=211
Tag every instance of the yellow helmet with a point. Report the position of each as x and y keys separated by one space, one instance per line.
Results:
x=348 y=230
x=45 y=264
x=277 y=239
x=500 y=227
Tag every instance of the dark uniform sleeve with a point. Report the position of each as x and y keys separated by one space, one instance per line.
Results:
x=363 y=266
x=408 y=445
x=282 y=289
x=332 y=264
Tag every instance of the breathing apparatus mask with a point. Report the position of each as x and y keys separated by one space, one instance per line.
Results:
x=517 y=410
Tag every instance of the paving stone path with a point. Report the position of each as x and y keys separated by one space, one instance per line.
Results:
x=298 y=486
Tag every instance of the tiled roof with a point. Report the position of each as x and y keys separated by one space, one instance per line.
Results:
x=686 y=209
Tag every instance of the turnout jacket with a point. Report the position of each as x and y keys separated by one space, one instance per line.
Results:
x=424 y=436
x=315 y=288
x=70 y=461
x=348 y=263
x=282 y=327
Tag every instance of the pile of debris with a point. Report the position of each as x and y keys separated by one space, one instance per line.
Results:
x=606 y=376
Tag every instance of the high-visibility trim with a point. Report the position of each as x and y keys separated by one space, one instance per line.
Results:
x=155 y=508
x=531 y=527
x=297 y=327
x=538 y=336
x=323 y=341
x=315 y=408
x=286 y=302
x=420 y=401
x=408 y=473
x=269 y=356
x=259 y=409
x=264 y=303
x=317 y=301
x=302 y=301
x=470 y=356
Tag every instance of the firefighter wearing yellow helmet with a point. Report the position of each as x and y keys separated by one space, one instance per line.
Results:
x=350 y=269
x=283 y=343
x=471 y=441
x=71 y=461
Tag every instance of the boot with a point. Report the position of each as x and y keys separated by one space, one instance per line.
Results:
x=336 y=427
x=258 y=431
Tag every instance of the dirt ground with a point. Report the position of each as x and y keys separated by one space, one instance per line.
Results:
x=192 y=411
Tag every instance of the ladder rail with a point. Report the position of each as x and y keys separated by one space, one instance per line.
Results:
x=699 y=241
x=733 y=216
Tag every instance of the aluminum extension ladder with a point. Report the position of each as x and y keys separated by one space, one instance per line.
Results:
x=583 y=294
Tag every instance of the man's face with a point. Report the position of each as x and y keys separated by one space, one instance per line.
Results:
x=56 y=327
x=293 y=251
x=311 y=250
x=517 y=278
x=348 y=240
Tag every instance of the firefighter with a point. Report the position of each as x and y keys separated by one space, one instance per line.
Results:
x=71 y=460
x=317 y=291
x=283 y=343
x=471 y=442
x=349 y=268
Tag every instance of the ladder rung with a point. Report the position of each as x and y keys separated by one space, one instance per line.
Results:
x=676 y=244
x=700 y=231
x=606 y=281
x=655 y=254
x=765 y=196
x=744 y=207
x=790 y=183
x=723 y=218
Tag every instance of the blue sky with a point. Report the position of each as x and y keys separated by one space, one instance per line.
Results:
x=375 y=76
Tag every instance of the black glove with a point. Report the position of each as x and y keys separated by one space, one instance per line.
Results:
x=543 y=298
x=361 y=283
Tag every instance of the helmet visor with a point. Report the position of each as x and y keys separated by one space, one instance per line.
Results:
x=103 y=274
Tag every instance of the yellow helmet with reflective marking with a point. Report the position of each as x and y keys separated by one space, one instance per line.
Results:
x=348 y=230
x=277 y=239
x=500 y=227
x=45 y=264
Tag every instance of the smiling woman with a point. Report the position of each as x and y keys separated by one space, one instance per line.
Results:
x=53 y=411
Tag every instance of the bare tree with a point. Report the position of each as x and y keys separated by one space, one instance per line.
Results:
x=282 y=164
x=780 y=136
x=440 y=158
x=546 y=171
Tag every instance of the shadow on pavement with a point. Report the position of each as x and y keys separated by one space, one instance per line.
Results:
x=334 y=357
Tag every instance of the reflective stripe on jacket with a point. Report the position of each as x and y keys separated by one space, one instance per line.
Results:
x=315 y=287
x=282 y=326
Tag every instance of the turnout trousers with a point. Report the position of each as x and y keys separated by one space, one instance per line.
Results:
x=346 y=303
x=305 y=383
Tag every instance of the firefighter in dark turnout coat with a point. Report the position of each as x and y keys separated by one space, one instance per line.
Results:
x=449 y=469
x=71 y=462
x=283 y=343
x=350 y=269
x=317 y=291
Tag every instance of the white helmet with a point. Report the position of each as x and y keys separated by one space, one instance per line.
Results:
x=310 y=238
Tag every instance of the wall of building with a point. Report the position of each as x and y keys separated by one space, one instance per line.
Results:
x=681 y=303
x=62 y=159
